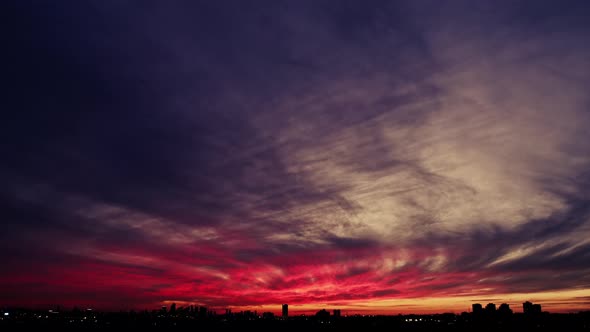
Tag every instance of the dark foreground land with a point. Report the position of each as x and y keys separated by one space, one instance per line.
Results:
x=19 y=320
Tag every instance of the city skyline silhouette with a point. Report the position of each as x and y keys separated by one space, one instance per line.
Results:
x=375 y=158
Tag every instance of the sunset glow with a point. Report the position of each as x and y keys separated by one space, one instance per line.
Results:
x=405 y=157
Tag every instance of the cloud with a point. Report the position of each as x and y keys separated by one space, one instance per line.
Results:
x=234 y=155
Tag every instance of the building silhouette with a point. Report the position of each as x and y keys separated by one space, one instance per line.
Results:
x=491 y=308
x=285 y=311
x=186 y=319
x=476 y=308
x=504 y=309
x=323 y=315
x=202 y=312
x=530 y=308
x=527 y=307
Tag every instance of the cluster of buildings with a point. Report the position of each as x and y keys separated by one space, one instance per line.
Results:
x=192 y=310
x=530 y=308
x=504 y=309
x=478 y=309
x=184 y=318
x=323 y=314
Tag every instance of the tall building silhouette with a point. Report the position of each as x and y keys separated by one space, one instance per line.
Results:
x=491 y=307
x=285 y=311
x=527 y=307
x=476 y=308
x=504 y=309
x=323 y=315
x=202 y=312
x=530 y=308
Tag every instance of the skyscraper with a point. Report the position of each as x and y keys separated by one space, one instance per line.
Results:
x=285 y=311
x=491 y=308
x=504 y=309
x=527 y=307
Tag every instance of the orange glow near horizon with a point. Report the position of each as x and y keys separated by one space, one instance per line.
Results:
x=566 y=301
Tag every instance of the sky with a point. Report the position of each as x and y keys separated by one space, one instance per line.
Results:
x=373 y=156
